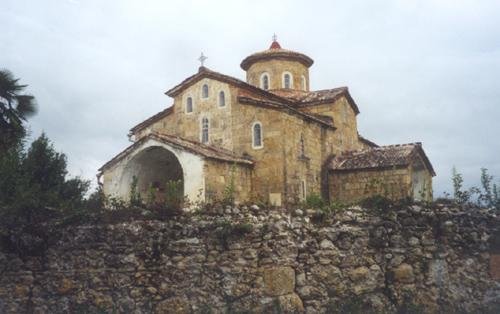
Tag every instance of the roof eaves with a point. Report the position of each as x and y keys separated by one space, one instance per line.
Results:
x=220 y=151
x=416 y=148
x=367 y=141
x=219 y=154
x=280 y=54
x=283 y=107
x=154 y=118
x=426 y=160
x=204 y=72
x=344 y=93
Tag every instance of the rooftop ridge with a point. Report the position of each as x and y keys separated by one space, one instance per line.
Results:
x=206 y=146
x=328 y=89
x=379 y=148
x=204 y=70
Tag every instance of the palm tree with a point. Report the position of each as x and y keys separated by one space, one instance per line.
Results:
x=15 y=108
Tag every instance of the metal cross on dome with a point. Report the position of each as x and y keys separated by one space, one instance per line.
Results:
x=275 y=38
x=202 y=59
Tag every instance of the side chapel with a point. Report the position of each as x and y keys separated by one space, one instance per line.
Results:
x=270 y=137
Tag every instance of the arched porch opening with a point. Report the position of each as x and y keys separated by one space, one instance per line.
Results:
x=158 y=175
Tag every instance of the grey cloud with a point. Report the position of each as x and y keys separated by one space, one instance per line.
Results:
x=419 y=70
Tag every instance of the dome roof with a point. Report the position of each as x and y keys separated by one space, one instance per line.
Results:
x=276 y=52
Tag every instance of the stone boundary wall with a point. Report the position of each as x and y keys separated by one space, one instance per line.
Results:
x=259 y=260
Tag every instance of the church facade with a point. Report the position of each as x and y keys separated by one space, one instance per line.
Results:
x=270 y=138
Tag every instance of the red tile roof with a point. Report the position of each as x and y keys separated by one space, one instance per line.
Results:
x=276 y=53
x=275 y=45
x=323 y=95
x=381 y=157
x=207 y=151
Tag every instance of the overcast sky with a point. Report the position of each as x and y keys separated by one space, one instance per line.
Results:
x=424 y=71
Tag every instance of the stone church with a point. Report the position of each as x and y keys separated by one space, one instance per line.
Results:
x=270 y=138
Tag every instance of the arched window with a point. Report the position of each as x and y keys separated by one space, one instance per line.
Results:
x=204 y=130
x=304 y=83
x=264 y=81
x=287 y=80
x=189 y=105
x=222 y=99
x=204 y=91
x=257 y=135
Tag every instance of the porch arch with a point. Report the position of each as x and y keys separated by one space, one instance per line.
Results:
x=155 y=163
x=153 y=167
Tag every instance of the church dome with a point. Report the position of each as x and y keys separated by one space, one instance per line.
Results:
x=276 y=52
x=278 y=68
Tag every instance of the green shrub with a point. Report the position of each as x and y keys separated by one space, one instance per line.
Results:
x=34 y=182
x=314 y=201
x=174 y=194
x=228 y=196
x=135 y=195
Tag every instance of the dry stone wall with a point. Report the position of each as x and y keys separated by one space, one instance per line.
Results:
x=250 y=259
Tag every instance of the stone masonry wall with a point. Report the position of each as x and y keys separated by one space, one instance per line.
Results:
x=356 y=185
x=275 y=70
x=224 y=177
x=259 y=260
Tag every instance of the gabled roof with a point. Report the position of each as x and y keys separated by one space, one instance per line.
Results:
x=287 y=100
x=324 y=120
x=367 y=141
x=306 y=99
x=381 y=157
x=207 y=151
x=152 y=119
x=204 y=72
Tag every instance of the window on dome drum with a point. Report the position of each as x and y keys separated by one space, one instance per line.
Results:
x=204 y=91
x=304 y=85
x=189 y=105
x=204 y=130
x=264 y=82
x=257 y=135
x=287 y=80
x=222 y=99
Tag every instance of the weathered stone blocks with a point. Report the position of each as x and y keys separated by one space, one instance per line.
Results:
x=404 y=273
x=278 y=280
